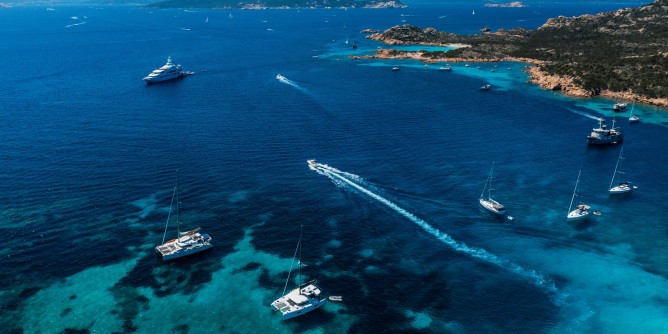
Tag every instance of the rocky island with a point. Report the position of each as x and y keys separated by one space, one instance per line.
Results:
x=621 y=54
x=277 y=4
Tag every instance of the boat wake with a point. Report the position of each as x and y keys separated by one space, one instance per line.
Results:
x=75 y=24
x=343 y=179
x=289 y=82
x=581 y=113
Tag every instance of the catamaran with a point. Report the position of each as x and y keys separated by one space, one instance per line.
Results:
x=186 y=243
x=301 y=300
x=621 y=187
x=582 y=211
x=488 y=203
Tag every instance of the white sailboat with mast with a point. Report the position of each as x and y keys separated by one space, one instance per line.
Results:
x=582 y=211
x=487 y=202
x=303 y=299
x=186 y=243
x=633 y=118
x=621 y=187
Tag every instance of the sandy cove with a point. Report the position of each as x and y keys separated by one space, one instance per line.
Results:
x=565 y=84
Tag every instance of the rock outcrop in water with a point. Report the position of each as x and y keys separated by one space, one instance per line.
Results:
x=622 y=54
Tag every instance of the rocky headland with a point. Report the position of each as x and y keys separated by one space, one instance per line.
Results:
x=621 y=54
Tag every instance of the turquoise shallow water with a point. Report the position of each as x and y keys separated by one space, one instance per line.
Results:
x=88 y=157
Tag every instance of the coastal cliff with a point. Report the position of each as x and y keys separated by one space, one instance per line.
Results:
x=621 y=54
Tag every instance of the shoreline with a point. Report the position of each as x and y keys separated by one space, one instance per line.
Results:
x=546 y=81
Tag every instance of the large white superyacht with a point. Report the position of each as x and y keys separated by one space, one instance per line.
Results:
x=169 y=71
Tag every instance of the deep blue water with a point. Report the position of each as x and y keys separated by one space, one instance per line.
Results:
x=88 y=153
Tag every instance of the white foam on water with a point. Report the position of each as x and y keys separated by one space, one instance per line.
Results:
x=534 y=277
x=582 y=113
x=289 y=82
x=75 y=24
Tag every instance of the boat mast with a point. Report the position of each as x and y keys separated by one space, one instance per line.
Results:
x=489 y=191
x=293 y=262
x=299 y=280
x=178 y=222
x=168 y=215
x=486 y=182
x=574 y=191
x=619 y=160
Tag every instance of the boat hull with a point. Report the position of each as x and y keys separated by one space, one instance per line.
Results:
x=490 y=206
x=606 y=141
x=156 y=80
x=312 y=307
x=620 y=190
x=184 y=252
x=574 y=216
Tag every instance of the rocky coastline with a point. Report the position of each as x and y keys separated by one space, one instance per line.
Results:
x=618 y=54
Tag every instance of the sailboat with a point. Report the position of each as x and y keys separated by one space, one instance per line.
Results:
x=473 y=13
x=488 y=203
x=622 y=187
x=186 y=243
x=582 y=211
x=633 y=118
x=304 y=298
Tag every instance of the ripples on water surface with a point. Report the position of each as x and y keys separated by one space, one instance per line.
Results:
x=88 y=158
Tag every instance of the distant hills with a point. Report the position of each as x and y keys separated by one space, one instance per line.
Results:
x=620 y=51
x=264 y=4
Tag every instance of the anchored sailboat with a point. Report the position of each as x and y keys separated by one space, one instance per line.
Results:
x=303 y=299
x=633 y=118
x=488 y=203
x=621 y=187
x=582 y=211
x=186 y=243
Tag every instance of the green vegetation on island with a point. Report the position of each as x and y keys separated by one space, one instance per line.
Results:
x=621 y=51
x=265 y=4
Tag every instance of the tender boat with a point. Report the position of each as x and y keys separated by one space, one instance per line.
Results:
x=486 y=87
x=312 y=164
x=336 y=298
x=619 y=107
x=621 y=187
x=186 y=243
x=487 y=202
x=602 y=135
x=169 y=71
x=582 y=211
x=396 y=68
x=305 y=298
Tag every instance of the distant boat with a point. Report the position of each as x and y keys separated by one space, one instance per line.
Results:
x=301 y=300
x=336 y=298
x=207 y=20
x=396 y=69
x=447 y=67
x=487 y=202
x=619 y=107
x=230 y=16
x=186 y=243
x=602 y=135
x=354 y=44
x=582 y=211
x=473 y=13
x=621 y=187
x=168 y=71
x=486 y=87
x=633 y=118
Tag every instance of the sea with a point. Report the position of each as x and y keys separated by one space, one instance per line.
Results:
x=89 y=156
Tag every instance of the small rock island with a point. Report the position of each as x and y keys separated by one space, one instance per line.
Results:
x=621 y=54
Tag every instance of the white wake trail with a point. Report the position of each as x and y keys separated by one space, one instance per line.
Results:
x=535 y=277
x=289 y=82
x=584 y=114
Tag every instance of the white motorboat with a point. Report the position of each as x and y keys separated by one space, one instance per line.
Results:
x=169 y=71
x=581 y=211
x=602 y=135
x=487 y=202
x=186 y=243
x=621 y=187
x=305 y=298
x=486 y=87
x=619 y=107
x=446 y=68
